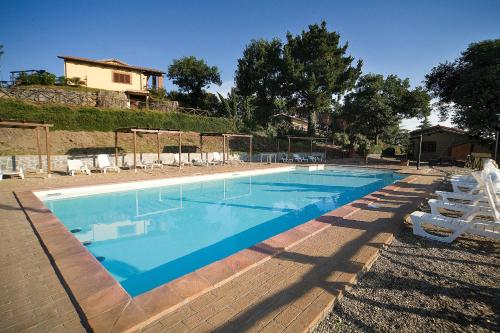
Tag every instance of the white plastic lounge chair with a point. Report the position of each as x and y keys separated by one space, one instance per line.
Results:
x=104 y=164
x=156 y=164
x=77 y=166
x=236 y=160
x=142 y=164
x=284 y=158
x=298 y=158
x=469 y=222
x=216 y=158
x=176 y=161
x=199 y=162
x=13 y=172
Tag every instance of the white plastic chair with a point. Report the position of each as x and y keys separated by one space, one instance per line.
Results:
x=298 y=158
x=468 y=222
x=77 y=166
x=177 y=158
x=104 y=164
x=216 y=158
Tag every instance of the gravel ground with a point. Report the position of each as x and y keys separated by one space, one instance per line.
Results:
x=418 y=285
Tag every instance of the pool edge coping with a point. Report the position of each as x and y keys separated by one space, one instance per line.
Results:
x=107 y=307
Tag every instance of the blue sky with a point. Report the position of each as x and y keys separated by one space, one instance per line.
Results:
x=406 y=38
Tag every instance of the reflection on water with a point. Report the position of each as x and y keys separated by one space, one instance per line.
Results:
x=150 y=236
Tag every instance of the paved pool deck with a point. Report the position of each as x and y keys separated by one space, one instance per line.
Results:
x=289 y=292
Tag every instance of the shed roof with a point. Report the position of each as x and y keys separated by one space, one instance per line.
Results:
x=113 y=63
x=437 y=129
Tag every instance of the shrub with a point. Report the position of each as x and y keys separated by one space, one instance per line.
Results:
x=341 y=139
x=105 y=120
x=377 y=149
x=361 y=144
x=43 y=78
x=389 y=152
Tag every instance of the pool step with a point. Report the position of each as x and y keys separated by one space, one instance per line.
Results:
x=311 y=167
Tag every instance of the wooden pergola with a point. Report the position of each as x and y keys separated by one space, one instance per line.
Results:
x=158 y=132
x=306 y=138
x=36 y=127
x=225 y=142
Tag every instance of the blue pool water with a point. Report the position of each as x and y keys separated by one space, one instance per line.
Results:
x=148 y=237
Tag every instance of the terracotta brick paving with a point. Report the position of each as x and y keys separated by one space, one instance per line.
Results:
x=286 y=293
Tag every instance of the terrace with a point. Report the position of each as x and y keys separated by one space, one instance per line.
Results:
x=287 y=283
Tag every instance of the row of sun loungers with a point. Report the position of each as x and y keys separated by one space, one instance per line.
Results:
x=301 y=159
x=104 y=164
x=474 y=203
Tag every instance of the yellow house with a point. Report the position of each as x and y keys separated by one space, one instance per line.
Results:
x=113 y=74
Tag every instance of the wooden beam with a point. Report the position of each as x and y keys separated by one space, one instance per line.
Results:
x=158 y=146
x=180 y=149
x=419 y=151
x=135 y=151
x=288 y=156
x=223 y=149
x=251 y=150
x=20 y=124
x=38 y=149
x=116 y=148
x=47 y=147
x=201 y=147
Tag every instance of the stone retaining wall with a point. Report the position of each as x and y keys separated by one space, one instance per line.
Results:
x=82 y=98
x=30 y=162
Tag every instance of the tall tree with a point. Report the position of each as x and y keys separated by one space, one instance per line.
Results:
x=238 y=108
x=425 y=123
x=469 y=88
x=377 y=105
x=192 y=75
x=259 y=75
x=317 y=68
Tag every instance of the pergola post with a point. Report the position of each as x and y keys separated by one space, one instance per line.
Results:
x=38 y=149
x=135 y=150
x=180 y=149
x=158 y=146
x=223 y=149
x=288 y=156
x=311 y=149
x=116 y=148
x=251 y=150
x=201 y=147
x=419 y=151
x=47 y=147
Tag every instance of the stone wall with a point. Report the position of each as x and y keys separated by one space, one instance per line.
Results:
x=30 y=162
x=91 y=98
x=51 y=95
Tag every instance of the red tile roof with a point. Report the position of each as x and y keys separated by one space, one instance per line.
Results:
x=115 y=63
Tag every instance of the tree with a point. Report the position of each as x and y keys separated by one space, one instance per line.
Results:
x=469 y=88
x=316 y=68
x=259 y=74
x=238 y=108
x=191 y=75
x=377 y=105
x=425 y=123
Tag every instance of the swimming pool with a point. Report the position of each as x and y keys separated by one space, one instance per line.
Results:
x=150 y=236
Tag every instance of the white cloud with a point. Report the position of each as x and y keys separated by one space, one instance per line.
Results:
x=223 y=89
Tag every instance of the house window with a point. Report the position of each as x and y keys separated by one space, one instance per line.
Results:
x=429 y=147
x=121 y=78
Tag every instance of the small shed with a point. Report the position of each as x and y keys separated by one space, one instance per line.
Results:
x=441 y=143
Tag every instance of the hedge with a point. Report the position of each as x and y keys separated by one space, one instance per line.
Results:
x=106 y=120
